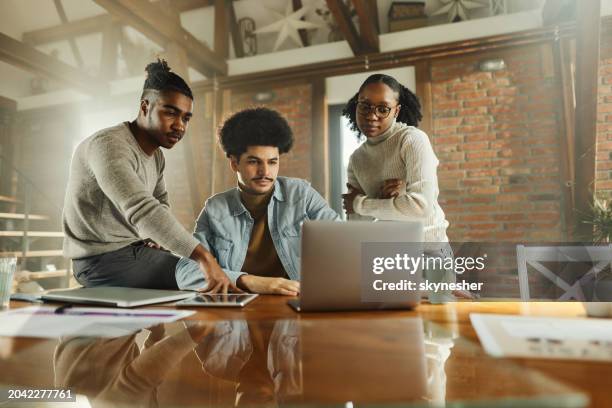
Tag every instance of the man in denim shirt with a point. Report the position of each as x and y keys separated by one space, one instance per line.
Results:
x=254 y=229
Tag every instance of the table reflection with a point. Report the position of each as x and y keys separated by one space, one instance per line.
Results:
x=111 y=371
x=306 y=361
x=270 y=363
x=261 y=358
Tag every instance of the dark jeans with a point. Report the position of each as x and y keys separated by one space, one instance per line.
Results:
x=133 y=266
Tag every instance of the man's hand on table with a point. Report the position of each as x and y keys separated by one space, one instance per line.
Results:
x=217 y=280
x=269 y=286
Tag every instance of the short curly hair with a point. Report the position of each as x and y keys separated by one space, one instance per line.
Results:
x=255 y=127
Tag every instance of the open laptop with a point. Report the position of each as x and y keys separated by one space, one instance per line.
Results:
x=331 y=263
x=115 y=296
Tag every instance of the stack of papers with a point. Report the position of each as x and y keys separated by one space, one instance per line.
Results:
x=45 y=321
x=544 y=337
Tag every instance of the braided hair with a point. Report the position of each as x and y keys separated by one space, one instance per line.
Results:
x=160 y=78
x=410 y=112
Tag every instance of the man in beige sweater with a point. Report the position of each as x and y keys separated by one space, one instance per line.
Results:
x=116 y=214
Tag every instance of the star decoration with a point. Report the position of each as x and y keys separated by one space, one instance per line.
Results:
x=457 y=9
x=287 y=25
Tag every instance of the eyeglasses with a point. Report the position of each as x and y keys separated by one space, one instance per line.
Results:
x=382 y=111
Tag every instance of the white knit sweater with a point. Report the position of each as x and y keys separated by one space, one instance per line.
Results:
x=401 y=152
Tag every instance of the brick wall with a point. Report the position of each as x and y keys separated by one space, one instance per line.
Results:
x=497 y=137
x=603 y=165
x=294 y=103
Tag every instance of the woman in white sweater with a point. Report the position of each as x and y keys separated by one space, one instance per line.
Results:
x=392 y=175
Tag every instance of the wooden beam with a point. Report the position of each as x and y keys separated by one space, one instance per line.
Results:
x=367 y=26
x=94 y=24
x=152 y=21
x=587 y=76
x=73 y=45
x=423 y=92
x=343 y=18
x=297 y=4
x=26 y=57
x=236 y=37
x=8 y=104
x=374 y=13
x=319 y=162
x=221 y=28
x=66 y=31
x=182 y=6
x=110 y=51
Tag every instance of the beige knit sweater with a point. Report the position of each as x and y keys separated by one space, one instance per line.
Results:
x=116 y=195
x=401 y=152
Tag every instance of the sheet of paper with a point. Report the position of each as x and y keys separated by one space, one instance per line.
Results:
x=42 y=321
x=544 y=337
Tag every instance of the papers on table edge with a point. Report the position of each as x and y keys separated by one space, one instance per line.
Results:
x=544 y=337
x=45 y=322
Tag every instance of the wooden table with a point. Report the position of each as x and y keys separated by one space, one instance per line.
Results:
x=268 y=354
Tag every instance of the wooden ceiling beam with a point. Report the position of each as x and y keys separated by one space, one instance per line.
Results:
x=73 y=45
x=66 y=31
x=221 y=28
x=30 y=59
x=155 y=23
x=236 y=37
x=297 y=4
x=342 y=16
x=182 y=6
x=367 y=25
x=95 y=24
x=111 y=38
x=374 y=16
x=8 y=104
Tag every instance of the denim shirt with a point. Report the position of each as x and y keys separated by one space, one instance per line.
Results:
x=224 y=228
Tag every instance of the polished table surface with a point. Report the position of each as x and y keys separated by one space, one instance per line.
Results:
x=268 y=355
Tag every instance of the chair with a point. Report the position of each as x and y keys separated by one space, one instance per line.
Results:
x=600 y=256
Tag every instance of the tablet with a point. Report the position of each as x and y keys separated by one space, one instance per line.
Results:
x=219 y=300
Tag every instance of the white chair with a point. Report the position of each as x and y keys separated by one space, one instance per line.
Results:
x=600 y=256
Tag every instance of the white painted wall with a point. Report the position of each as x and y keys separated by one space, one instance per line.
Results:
x=290 y=58
x=51 y=98
x=401 y=40
x=119 y=87
x=93 y=121
x=340 y=89
x=463 y=30
x=606 y=7
x=201 y=23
